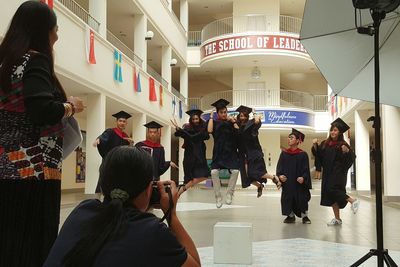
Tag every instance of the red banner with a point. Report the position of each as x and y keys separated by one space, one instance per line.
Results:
x=135 y=81
x=90 y=55
x=161 y=95
x=251 y=42
x=152 y=88
x=48 y=2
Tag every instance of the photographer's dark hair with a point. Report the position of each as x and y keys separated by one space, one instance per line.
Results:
x=29 y=30
x=125 y=168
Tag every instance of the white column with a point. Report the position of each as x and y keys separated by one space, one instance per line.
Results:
x=184 y=14
x=169 y=5
x=95 y=125
x=166 y=143
x=347 y=139
x=390 y=150
x=166 y=53
x=184 y=82
x=98 y=10
x=139 y=42
x=138 y=130
x=363 y=179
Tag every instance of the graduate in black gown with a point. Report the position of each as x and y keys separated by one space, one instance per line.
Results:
x=252 y=165
x=336 y=157
x=155 y=149
x=225 y=152
x=119 y=231
x=113 y=137
x=293 y=170
x=317 y=163
x=194 y=133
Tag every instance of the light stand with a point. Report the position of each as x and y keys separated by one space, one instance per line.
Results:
x=380 y=252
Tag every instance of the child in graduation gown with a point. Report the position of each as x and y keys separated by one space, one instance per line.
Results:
x=195 y=165
x=293 y=171
x=252 y=165
x=225 y=152
x=156 y=150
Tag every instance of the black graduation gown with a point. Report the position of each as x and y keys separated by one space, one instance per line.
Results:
x=108 y=140
x=250 y=152
x=160 y=166
x=194 y=160
x=225 y=151
x=317 y=161
x=335 y=166
x=295 y=196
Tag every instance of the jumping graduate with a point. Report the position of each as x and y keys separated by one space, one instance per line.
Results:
x=113 y=137
x=225 y=152
x=194 y=134
x=252 y=165
x=336 y=157
x=156 y=150
x=294 y=172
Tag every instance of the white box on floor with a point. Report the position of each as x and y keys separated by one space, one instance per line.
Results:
x=233 y=242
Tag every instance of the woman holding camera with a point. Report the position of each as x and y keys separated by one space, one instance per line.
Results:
x=119 y=231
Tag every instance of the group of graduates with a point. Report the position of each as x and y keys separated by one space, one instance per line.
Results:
x=238 y=150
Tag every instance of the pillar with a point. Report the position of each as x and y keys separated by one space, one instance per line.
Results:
x=184 y=83
x=95 y=125
x=138 y=130
x=166 y=54
x=363 y=179
x=139 y=42
x=166 y=143
x=98 y=10
x=184 y=14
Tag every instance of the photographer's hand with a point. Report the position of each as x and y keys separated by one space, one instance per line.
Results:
x=164 y=197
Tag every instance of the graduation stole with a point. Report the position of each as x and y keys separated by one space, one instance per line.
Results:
x=293 y=152
x=120 y=133
x=151 y=144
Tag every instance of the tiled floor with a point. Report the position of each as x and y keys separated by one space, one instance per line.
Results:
x=278 y=244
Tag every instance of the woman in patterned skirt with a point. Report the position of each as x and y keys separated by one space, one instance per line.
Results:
x=32 y=106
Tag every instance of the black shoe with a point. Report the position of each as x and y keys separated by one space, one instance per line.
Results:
x=259 y=190
x=290 y=219
x=306 y=220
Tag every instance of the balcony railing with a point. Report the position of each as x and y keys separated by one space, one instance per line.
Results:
x=194 y=38
x=81 y=13
x=166 y=4
x=124 y=49
x=251 y=23
x=178 y=94
x=157 y=76
x=257 y=98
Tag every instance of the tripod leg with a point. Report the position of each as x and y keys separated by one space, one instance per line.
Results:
x=388 y=260
x=371 y=253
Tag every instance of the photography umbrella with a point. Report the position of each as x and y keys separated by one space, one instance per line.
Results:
x=350 y=62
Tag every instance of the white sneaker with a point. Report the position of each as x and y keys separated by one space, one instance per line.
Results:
x=229 y=198
x=355 y=205
x=218 y=202
x=334 y=222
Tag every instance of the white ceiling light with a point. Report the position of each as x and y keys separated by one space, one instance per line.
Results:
x=255 y=73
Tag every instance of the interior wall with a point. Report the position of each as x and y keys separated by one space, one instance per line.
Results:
x=201 y=87
x=313 y=83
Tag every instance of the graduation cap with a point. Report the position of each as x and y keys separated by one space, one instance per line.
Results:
x=121 y=114
x=193 y=112
x=341 y=125
x=244 y=109
x=220 y=103
x=299 y=135
x=153 y=125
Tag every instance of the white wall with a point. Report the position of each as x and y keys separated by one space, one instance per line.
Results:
x=270 y=141
x=363 y=181
x=245 y=7
x=269 y=75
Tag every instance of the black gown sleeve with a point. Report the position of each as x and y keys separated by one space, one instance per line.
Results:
x=163 y=165
x=306 y=171
x=103 y=146
x=42 y=105
x=279 y=165
x=195 y=137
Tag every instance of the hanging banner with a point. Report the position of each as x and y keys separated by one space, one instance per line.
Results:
x=135 y=80
x=89 y=42
x=180 y=110
x=173 y=106
x=117 y=66
x=161 y=95
x=152 y=90
x=50 y=3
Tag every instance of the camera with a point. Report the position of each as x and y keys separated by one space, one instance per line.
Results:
x=155 y=194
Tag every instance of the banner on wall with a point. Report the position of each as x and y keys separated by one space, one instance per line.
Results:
x=50 y=3
x=152 y=90
x=117 y=66
x=180 y=110
x=89 y=42
x=161 y=95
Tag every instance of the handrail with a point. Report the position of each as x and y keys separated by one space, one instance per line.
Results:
x=251 y=23
x=178 y=94
x=79 y=11
x=157 y=76
x=263 y=97
x=173 y=16
x=124 y=49
x=194 y=38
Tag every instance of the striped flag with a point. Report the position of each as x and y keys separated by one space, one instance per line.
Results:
x=173 y=106
x=152 y=90
x=135 y=80
x=139 y=86
x=180 y=109
x=161 y=95
x=50 y=3
x=89 y=42
x=117 y=66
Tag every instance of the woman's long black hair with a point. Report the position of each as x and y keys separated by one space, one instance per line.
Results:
x=29 y=30
x=340 y=138
x=126 y=168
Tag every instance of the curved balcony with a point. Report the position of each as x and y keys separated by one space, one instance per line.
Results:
x=251 y=23
x=262 y=98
